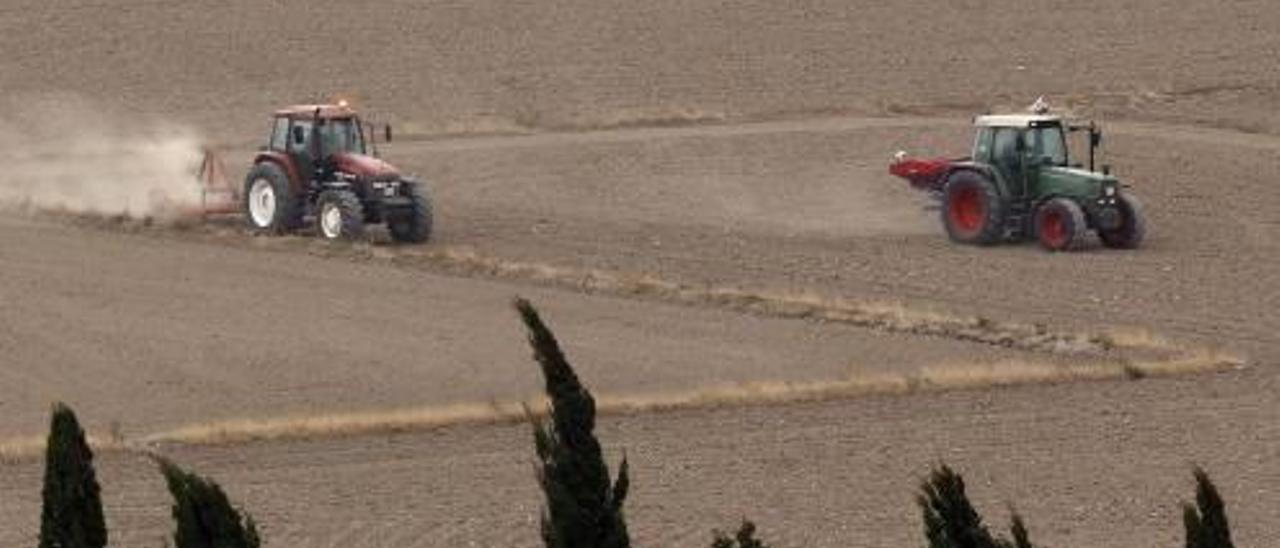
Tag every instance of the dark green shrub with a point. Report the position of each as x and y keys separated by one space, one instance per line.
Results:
x=71 y=516
x=1206 y=520
x=203 y=516
x=745 y=538
x=950 y=521
x=583 y=509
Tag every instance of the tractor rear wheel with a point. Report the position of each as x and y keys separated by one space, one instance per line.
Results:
x=1133 y=225
x=414 y=225
x=1060 y=225
x=268 y=201
x=972 y=210
x=340 y=215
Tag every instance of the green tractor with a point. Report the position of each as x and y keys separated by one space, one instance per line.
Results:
x=1021 y=182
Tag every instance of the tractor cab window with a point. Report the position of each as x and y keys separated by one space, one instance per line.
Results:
x=341 y=135
x=1004 y=153
x=280 y=135
x=1046 y=145
x=982 y=145
x=300 y=136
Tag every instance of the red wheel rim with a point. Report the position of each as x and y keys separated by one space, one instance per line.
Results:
x=967 y=210
x=1053 y=229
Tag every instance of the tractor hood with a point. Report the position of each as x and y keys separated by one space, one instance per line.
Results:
x=1074 y=182
x=364 y=166
x=1082 y=175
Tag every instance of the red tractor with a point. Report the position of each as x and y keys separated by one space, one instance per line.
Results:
x=319 y=164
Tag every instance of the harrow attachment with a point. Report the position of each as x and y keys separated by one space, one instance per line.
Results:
x=218 y=195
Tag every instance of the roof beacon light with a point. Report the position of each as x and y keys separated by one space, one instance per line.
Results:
x=342 y=103
x=1041 y=106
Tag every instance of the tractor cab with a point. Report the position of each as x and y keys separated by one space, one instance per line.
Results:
x=1014 y=143
x=1021 y=180
x=1021 y=147
x=320 y=140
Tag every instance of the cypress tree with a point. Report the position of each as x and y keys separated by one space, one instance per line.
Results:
x=71 y=516
x=1206 y=520
x=950 y=520
x=202 y=514
x=583 y=510
x=1021 y=538
x=745 y=538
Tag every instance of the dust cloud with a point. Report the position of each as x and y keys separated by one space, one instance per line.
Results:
x=834 y=200
x=67 y=154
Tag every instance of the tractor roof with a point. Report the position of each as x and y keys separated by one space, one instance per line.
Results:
x=308 y=111
x=1015 y=120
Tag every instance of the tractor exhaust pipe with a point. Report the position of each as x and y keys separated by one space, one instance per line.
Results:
x=1095 y=138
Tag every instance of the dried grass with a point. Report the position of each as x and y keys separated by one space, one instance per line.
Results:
x=26 y=447
x=932 y=379
x=1115 y=354
x=880 y=316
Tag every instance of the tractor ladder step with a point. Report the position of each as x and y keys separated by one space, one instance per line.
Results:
x=1015 y=221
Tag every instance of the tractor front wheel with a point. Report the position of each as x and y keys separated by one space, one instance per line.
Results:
x=414 y=224
x=1133 y=225
x=972 y=210
x=1060 y=225
x=340 y=215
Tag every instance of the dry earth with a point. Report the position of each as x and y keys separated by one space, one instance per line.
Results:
x=809 y=205
x=729 y=145
x=154 y=334
x=1096 y=464
x=456 y=65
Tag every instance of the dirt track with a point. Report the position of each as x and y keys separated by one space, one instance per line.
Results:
x=780 y=187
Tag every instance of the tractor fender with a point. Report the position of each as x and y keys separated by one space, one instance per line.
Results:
x=980 y=169
x=1090 y=213
x=1033 y=205
x=986 y=171
x=1097 y=217
x=285 y=163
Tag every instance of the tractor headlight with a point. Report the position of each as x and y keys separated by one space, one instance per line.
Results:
x=1109 y=191
x=387 y=188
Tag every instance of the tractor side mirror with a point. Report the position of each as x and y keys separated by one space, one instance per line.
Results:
x=386 y=132
x=299 y=135
x=1095 y=138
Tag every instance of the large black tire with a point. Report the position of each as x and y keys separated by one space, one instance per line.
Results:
x=1060 y=225
x=972 y=210
x=1133 y=225
x=268 y=201
x=413 y=226
x=339 y=215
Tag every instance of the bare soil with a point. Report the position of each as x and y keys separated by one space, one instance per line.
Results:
x=809 y=204
x=153 y=333
x=495 y=64
x=1094 y=464
x=709 y=144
